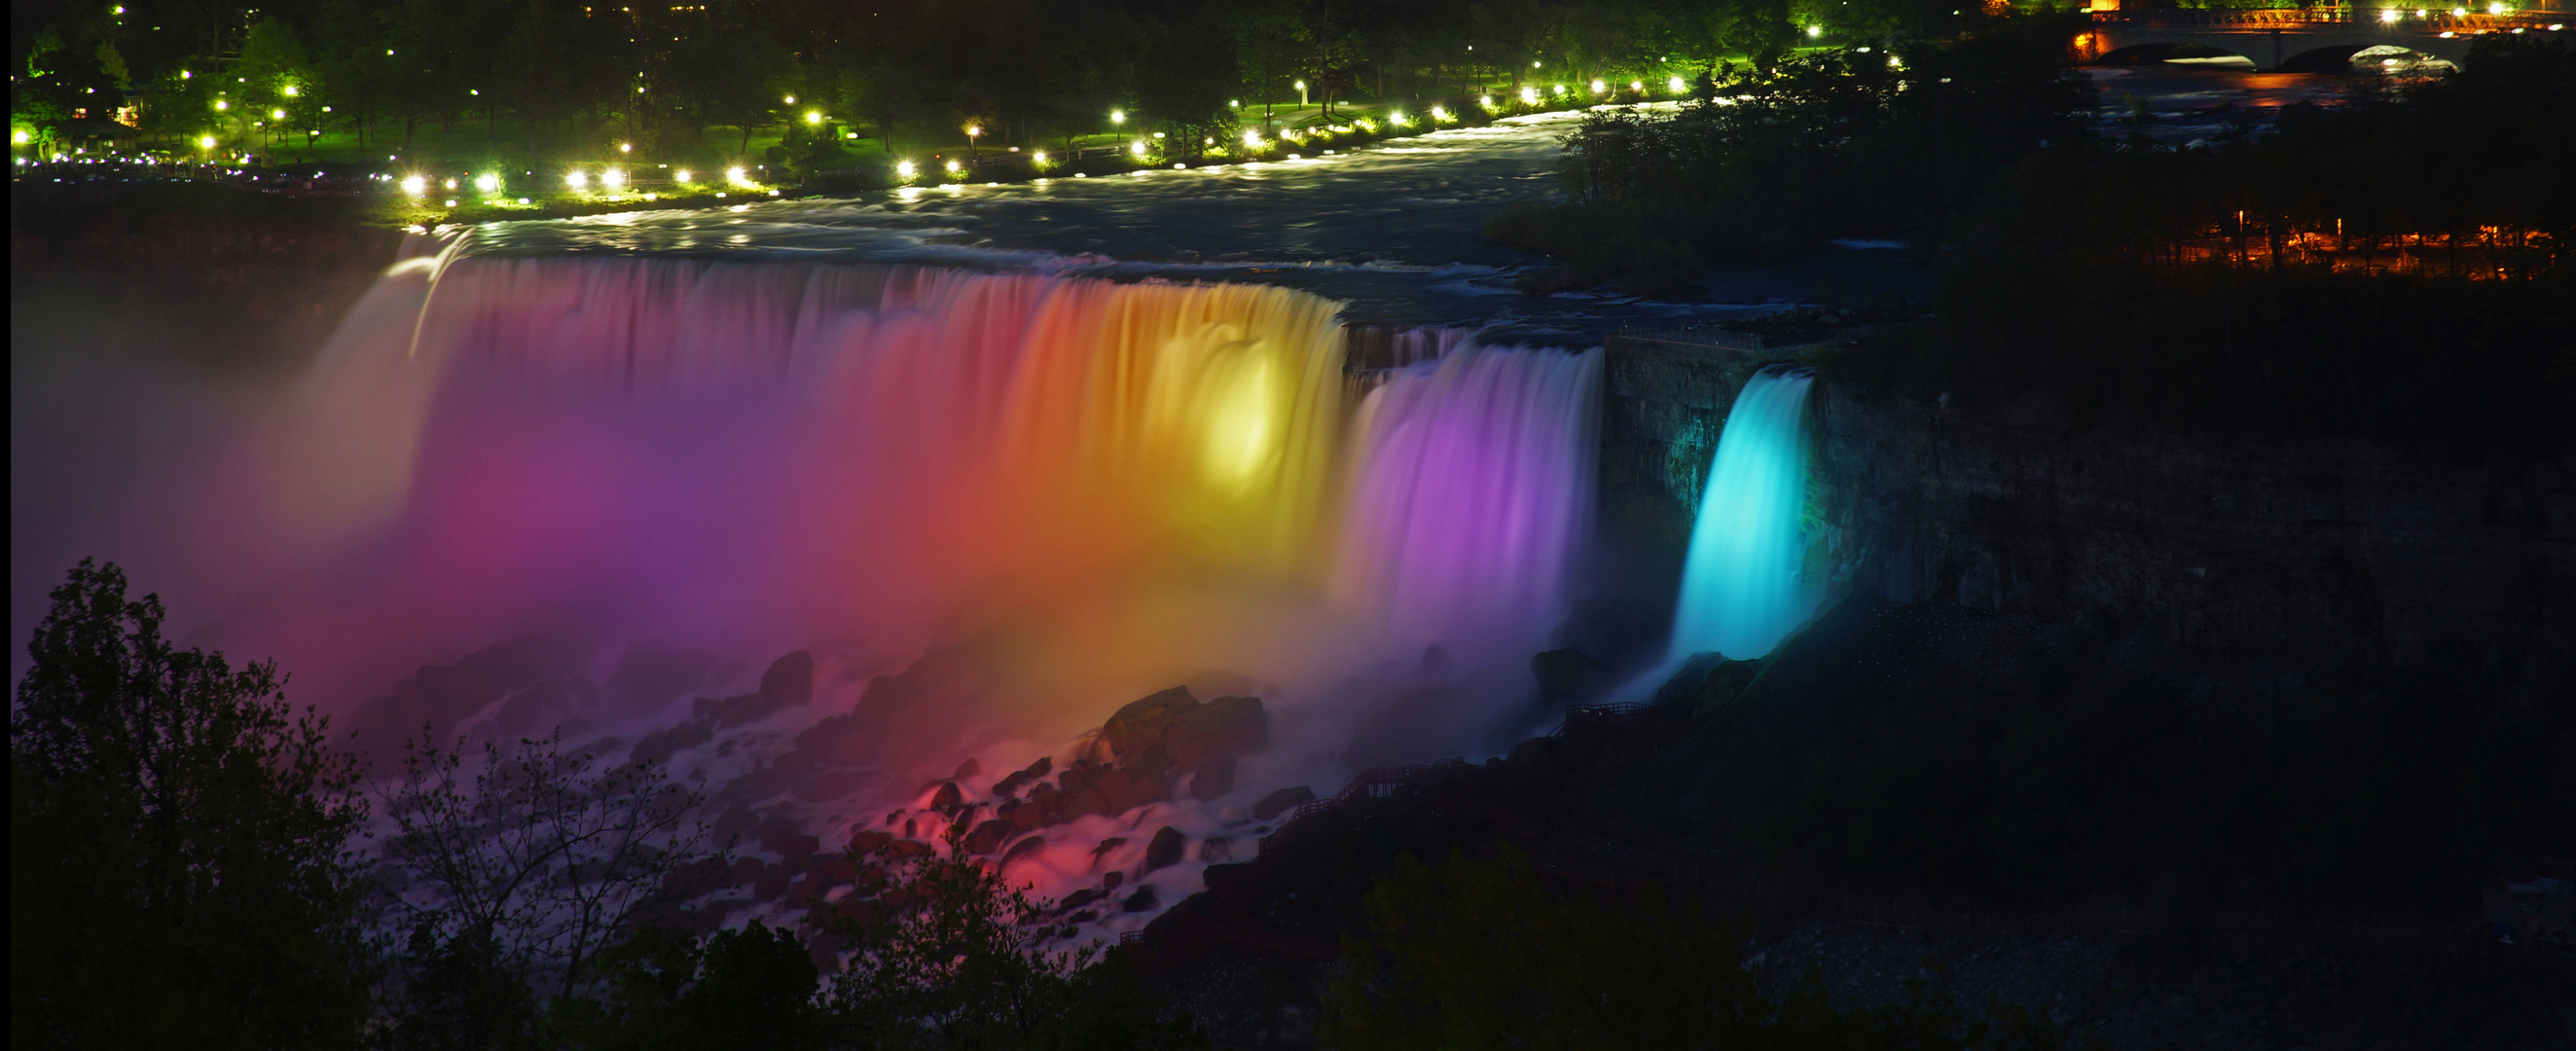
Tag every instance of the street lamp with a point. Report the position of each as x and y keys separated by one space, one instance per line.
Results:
x=1301 y=93
x=972 y=130
x=1117 y=116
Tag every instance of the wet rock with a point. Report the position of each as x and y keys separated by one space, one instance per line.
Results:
x=1113 y=879
x=1010 y=785
x=1024 y=848
x=1081 y=898
x=1571 y=676
x=1219 y=877
x=988 y=837
x=534 y=711
x=867 y=841
x=744 y=871
x=837 y=739
x=1163 y=851
x=789 y=682
x=736 y=820
x=772 y=883
x=1213 y=779
x=1281 y=801
x=1101 y=851
x=947 y=797
x=1227 y=727
x=1216 y=849
x=1136 y=731
x=1141 y=901
x=967 y=769
x=656 y=747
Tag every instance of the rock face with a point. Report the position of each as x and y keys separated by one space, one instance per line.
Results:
x=1172 y=730
x=2325 y=549
x=1572 y=676
x=1281 y=802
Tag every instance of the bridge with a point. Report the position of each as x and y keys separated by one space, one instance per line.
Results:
x=2312 y=39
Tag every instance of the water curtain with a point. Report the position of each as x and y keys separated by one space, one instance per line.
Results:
x=1742 y=586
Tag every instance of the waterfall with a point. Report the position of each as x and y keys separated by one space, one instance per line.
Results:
x=1135 y=480
x=1742 y=589
x=1473 y=493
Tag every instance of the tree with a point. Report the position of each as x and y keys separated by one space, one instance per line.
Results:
x=943 y=953
x=178 y=867
x=750 y=988
x=508 y=884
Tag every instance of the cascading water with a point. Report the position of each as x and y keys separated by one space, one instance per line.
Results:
x=1473 y=492
x=1067 y=493
x=1742 y=586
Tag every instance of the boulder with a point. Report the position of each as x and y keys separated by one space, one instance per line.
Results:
x=1163 y=851
x=1080 y=898
x=946 y=797
x=1570 y=675
x=1213 y=779
x=656 y=747
x=967 y=769
x=1024 y=848
x=772 y=883
x=1281 y=801
x=1216 y=850
x=788 y=683
x=1227 y=727
x=988 y=837
x=1136 y=731
x=868 y=841
x=837 y=740
x=1141 y=901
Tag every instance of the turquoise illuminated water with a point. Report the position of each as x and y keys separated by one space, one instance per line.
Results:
x=1742 y=589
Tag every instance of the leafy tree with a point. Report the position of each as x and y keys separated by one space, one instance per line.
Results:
x=509 y=883
x=178 y=871
x=750 y=988
x=943 y=953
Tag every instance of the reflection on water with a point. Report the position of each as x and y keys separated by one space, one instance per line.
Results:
x=1394 y=230
x=2195 y=101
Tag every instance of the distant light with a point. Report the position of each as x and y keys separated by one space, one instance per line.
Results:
x=1158 y=134
x=1039 y=156
x=904 y=169
x=733 y=175
x=1533 y=63
x=1234 y=103
x=2495 y=9
x=952 y=167
x=1301 y=85
x=2388 y=14
x=451 y=184
x=1117 y=116
x=18 y=136
x=1529 y=95
x=221 y=104
x=523 y=200
x=1678 y=86
x=277 y=114
x=1438 y=113
x=1599 y=87
x=289 y=91
x=813 y=117
x=576 y=180
x=1251 y=139
x=1636 y=85
x=206 y=143
x=1815 y=31
x=1137 y=147
x=973 y=130
x=414 y=185
x=2459 y=12
x=625 y=147
x=450 y=203
x=791 y=100
x=682 y=176
x=488 y=183
x=184 y=74
x=613 y=178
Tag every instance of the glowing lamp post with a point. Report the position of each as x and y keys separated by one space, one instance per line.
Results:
x=972 y=131
x=1301 y=93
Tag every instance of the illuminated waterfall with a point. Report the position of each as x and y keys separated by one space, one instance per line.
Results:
x=1130 y=480
x=1473 y=493
x=1742 y=589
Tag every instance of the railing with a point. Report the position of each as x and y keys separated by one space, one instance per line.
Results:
x=2434 y=20
x=1376 y=782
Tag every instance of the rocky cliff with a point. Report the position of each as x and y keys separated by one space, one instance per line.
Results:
x=2226 y=546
